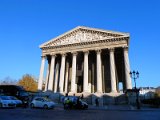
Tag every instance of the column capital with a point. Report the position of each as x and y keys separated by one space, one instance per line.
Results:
x=63 y=54
x=53 y=54
x=86 y=51
x=125 y=48
x=43 y=56
x=74 y=53
x=98 y=50
x=111 y=49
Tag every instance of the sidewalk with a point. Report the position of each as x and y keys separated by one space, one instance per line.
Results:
x=113 y=108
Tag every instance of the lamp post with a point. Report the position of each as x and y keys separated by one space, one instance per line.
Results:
x=135 y=75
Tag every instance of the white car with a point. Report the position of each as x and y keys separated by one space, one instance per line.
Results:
x=17 y=101
x=5 y=102
x=42 y=102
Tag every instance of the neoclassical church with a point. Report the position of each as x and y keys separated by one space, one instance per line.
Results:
x=86 y=60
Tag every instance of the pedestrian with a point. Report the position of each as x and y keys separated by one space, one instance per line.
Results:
x=67 y=104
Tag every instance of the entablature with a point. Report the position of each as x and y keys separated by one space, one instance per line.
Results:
x=100 y=44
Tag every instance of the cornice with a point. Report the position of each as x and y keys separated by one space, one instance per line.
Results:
x=86 y=46
x=89 y=42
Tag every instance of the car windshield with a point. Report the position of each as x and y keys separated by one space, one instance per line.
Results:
x=13 y=98
x=23 y=93
x=4 y=98
x=46 y=99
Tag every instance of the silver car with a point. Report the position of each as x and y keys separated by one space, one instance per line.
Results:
x=42 y=102
x=17 y=101
x=5 y=102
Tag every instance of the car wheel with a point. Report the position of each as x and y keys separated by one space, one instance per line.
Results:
x=32 y=105
x=45 y=106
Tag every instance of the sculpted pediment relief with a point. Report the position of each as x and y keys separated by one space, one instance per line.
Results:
x=82 y=34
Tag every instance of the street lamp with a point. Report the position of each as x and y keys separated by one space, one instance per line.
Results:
x=135 y=75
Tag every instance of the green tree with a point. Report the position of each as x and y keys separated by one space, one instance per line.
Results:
x=28 y=82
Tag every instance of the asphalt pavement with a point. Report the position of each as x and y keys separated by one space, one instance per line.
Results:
x=110 y=112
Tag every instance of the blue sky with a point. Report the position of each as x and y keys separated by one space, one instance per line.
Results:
x=25 y=24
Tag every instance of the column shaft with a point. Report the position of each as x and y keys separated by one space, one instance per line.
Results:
x=73 y=80
x=40 y=82
x=112 y=71
x=99 y=72
x=56 y=77
x=66 y=77
x=61 y=82
x=85 y=72
x=93 y=79
x=47 y=78
x=51 y=75
x=127 y=69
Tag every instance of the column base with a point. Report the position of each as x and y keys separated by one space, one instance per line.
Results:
x=113 y=91
x=86 y=91
x=99 y=91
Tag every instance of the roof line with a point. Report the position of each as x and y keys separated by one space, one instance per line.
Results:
x=83 y=27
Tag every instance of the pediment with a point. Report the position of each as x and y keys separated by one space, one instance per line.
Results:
x=82 y=34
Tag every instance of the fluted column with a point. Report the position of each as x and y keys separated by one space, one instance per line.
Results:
x=40 y=81
x=73 y=80
x=99 y=72
x=51 y=75
x=66 y=78
x=56 y=77
x=85 y=72
x=47 y=78
x=112 y=71
x=127 y=68
x=93 y=79
x=61 y=82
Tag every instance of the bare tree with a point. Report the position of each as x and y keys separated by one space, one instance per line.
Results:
x=8 y=81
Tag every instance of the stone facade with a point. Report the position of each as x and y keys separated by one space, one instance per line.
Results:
x=86 y=60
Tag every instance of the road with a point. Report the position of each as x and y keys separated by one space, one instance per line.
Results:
x=60 y=114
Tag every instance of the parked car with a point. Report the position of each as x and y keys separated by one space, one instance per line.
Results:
x=15 y=90
x=16 y=100
x=42 y=102
x=5 y=102
x=74 y=103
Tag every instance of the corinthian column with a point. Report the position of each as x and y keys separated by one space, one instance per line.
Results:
x=85 y=72
x=40 y=81
x=66 y=78
x=47 y=77
x=73 y=80
x=51 y=75
x=61 y=82
x=56 y=77
x=127 y=68
x=112 y=70
x=99 y=72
